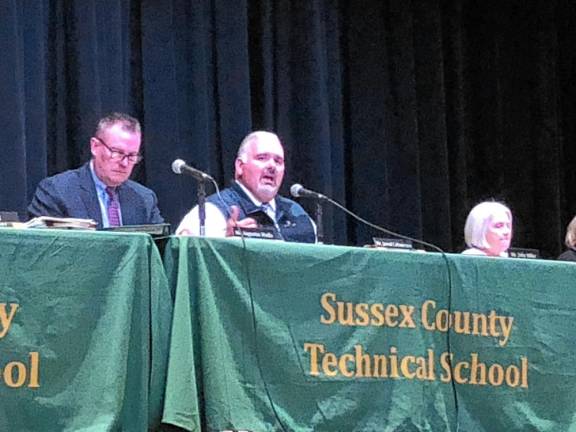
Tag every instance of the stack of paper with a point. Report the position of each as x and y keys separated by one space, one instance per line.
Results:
x=57 y=222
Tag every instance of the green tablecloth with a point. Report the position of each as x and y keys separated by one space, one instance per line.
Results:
x=84 y=326
x=295 y=337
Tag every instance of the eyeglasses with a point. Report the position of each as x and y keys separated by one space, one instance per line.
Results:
x=118 y=155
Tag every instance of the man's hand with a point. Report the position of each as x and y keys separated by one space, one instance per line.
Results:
x=233 y=222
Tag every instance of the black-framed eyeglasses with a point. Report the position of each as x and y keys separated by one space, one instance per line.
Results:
x=118 y=155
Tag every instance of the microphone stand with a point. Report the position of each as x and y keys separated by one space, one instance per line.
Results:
x=319 y=222
x=201 y=193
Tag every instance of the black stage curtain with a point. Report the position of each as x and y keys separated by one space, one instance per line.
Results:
x=407 y=112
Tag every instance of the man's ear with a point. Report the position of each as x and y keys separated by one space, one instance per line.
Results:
x=93 y=144
x=238 y=165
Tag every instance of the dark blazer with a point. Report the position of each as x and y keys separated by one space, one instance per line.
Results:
x=568 y=255
x=73 y=194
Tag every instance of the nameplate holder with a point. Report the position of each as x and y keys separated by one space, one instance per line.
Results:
x=8 y=216
x=391 y=243
x=523 y=253
x=155 y=230
x=263 y=232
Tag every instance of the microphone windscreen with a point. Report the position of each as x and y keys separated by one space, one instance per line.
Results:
x=295 y=190
x=177 y=166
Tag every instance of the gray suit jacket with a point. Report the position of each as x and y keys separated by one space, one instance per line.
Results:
x=73 y=194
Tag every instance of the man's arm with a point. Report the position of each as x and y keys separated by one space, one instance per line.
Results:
x=155 y=216
x=233 y=221
x=215 y=224
x=46 y=201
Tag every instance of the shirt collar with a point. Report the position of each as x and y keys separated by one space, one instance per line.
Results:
x=100 y=186
x=256 y=201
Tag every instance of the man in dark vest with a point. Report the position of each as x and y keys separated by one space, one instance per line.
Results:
x=253 y=199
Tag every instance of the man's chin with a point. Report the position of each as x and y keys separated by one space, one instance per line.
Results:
x=267 y=193
x=115 y=182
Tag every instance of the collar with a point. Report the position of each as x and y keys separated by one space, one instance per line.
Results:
x=100 y=186
x=256 y=201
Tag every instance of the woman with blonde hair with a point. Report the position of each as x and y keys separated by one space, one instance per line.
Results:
x=570 y=253
x=488 y=230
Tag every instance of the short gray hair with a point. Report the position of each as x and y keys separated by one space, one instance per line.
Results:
x=478 y=221
x=128 y=123
x=243 y=149
x=571 y=234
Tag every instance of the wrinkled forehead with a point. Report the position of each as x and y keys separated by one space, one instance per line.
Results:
x=121 y=138
x=266 y=144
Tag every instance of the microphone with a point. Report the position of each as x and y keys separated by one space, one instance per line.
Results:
x=299 y=191
x=181 y=167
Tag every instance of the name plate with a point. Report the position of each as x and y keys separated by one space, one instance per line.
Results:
x=8 y=216
x=264 y=232
x=155 y=230
x=391 y=243
x=523 y=253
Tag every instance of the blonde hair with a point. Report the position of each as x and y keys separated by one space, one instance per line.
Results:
x=571 y=234
x=478 y=222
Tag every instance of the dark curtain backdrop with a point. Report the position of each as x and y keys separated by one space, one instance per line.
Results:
x=406 y=112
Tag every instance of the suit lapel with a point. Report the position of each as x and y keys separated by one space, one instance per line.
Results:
x=89 y=195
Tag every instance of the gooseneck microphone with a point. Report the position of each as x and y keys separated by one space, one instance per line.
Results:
x=299 y=191
x=181 y=167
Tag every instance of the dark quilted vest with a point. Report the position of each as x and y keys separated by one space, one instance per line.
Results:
x=294 y=223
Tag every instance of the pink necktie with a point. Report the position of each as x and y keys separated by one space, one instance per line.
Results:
x=113 y=208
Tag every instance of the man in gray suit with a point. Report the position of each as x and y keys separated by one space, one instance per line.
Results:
x=100 y=189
